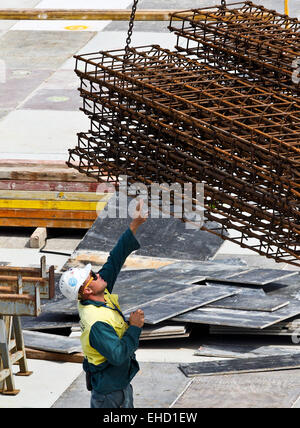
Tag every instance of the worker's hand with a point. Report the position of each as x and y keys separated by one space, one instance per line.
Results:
x=137 y=318
x=139 y=217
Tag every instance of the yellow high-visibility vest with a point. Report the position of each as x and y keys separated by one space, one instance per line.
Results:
x=90 y=314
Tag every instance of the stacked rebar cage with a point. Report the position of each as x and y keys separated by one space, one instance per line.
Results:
x=166 y=117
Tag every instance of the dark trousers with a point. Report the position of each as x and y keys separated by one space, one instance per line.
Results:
x=114 y=400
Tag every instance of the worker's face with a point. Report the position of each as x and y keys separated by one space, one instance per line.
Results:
x=96 y=285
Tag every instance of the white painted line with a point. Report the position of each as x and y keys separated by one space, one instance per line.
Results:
x=187 y=386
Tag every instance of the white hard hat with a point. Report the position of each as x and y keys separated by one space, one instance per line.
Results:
x=72 y=280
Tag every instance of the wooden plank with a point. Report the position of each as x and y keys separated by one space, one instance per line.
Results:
x=239 y=318
x=87 y=14
x=14 y=304
x=53 y=356
x=38 y=237
x=4 y=373
x=49 y=186
x=176 y=303
x=132 y=262
x=268 y=390
x=15 y=270
x=8 y=279
x=71 y=224
x=241 y=365
x=6 y=289
x=54 y=196
x=96 y=14
x=48 y=214
x=30 y=277
x=35 y=173
x=52 y=205
x=32 y=163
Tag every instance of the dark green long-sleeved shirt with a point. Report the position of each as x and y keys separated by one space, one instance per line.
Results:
x=120 y=366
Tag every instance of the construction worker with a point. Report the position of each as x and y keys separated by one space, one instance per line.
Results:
x=108 y=341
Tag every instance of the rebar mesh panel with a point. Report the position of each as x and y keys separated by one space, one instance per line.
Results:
x=157 y=116
x=245 y=38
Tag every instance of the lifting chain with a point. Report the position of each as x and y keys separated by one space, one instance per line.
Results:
x=223 y=3
x=131 y=24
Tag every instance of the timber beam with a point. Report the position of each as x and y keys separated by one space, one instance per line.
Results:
x=87 y=15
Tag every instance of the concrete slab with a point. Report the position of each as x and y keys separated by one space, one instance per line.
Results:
x=156 y=385
x=75 y=396
x=42 y=50
x=170 y=351
x=3 y=113
x=40 y=390
x=18 y=85
x=83 y=4
x=173 y=4
x=254 y=261
x=30 y=257
x=152 y=26
x=15 y=4
x=60 y=25
x=54 y=99
x=247 y=390
x=43 y=132
x=182 y=244
x=140 y=26
x=164 y=384
x=229 y=247
x=5 y=25
x=296 y=405
x=11 y=238
x=109 y=40
x=61 y=79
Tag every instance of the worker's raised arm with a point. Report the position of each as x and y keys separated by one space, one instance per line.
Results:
x=126 y=244
x=139 y=217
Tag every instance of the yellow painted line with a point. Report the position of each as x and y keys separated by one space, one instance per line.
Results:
x=54 y=196
x=55 y=205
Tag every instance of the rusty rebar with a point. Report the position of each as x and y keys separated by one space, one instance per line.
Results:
x=163 y=117
x=245 y=38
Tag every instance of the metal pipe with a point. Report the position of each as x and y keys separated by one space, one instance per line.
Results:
x=286 y=7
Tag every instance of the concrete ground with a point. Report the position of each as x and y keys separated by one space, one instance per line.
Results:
x=39 y=119
x=160 y=383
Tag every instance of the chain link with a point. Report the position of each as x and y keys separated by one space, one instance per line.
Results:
x=131 y=24
x=223 y=3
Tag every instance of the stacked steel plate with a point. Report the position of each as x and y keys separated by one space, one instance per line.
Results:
x=168 y=117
